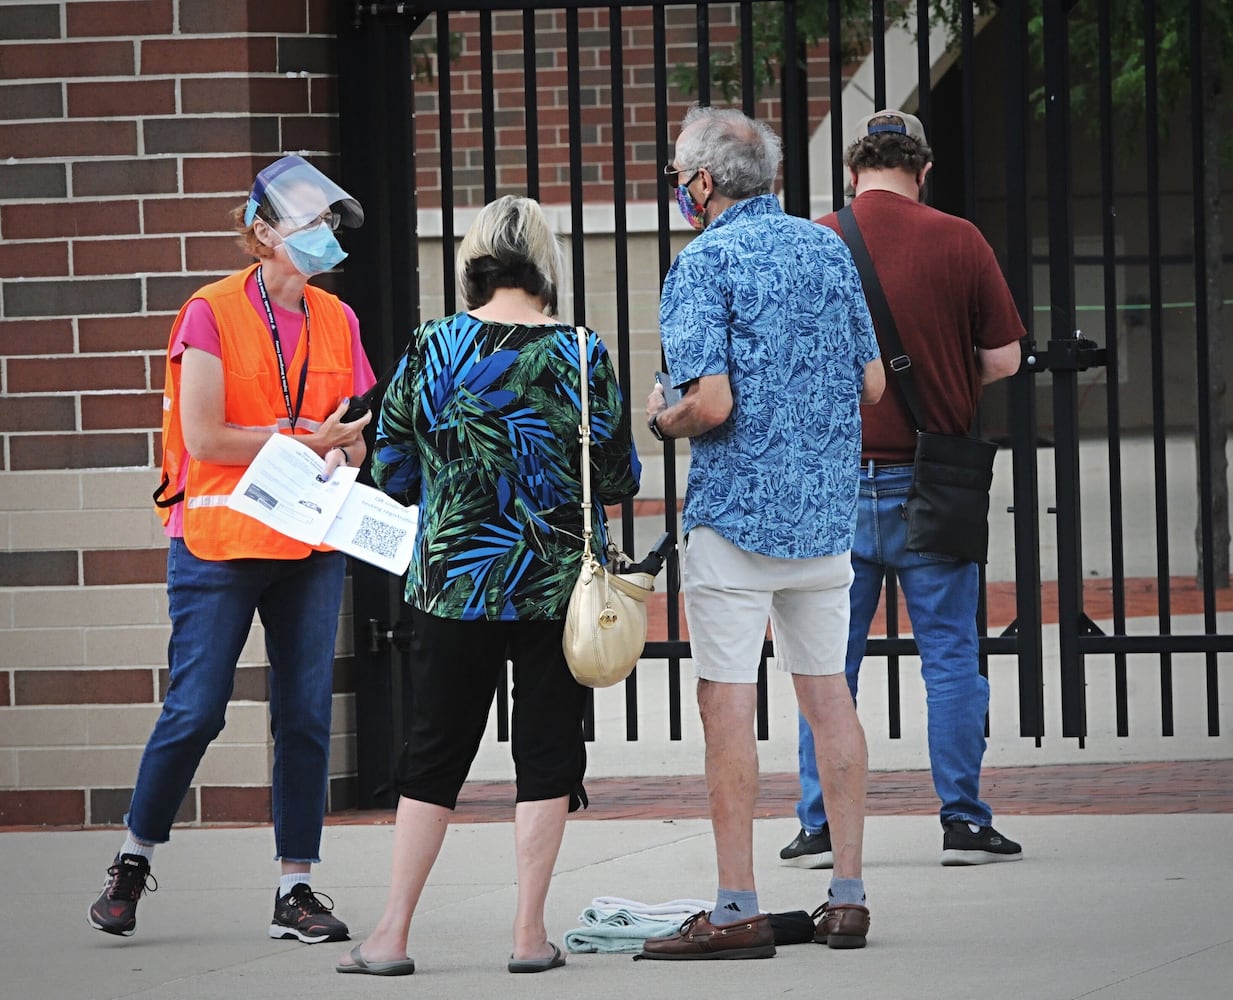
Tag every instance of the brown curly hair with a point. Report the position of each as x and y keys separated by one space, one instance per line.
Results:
x=888 y=150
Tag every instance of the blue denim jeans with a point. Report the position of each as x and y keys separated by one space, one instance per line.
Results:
x=941 y=596
x=211 y=604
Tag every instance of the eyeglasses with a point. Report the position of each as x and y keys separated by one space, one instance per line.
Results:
x=671 y=174
x=327 y=218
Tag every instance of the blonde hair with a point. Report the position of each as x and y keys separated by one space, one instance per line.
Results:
x=510 y=245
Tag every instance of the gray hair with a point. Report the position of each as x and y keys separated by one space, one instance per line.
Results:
x=510 y=245
x=741 y=153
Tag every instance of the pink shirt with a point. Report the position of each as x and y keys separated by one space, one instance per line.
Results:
x=200 y=330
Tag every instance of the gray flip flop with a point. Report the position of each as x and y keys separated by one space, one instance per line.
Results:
x=363 y=967
x=553 y=961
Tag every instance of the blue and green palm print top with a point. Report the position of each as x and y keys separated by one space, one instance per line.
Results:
x=480 y=427
x=775 y=303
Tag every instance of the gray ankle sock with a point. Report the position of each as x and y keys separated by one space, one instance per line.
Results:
x=847 y=890
x=734 y=905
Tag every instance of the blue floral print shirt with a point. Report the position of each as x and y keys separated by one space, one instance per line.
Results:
x=774 y=302
x=479 y=426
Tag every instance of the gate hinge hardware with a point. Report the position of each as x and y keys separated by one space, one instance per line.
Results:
x=410 y=11
x=1072 y=354
x=381 y=635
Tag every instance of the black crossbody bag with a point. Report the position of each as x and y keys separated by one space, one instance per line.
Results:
x=948 y=504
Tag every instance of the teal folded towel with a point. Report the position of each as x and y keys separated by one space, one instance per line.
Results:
x=616 y=932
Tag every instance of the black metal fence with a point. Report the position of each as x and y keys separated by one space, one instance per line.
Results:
x=1023 y=101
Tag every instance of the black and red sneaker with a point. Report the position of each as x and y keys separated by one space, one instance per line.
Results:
x=115 y=910
x=302 y=914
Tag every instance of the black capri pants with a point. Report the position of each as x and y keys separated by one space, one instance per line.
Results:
x=454 y=670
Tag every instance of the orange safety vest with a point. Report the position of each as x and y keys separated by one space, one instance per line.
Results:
x=253 y=401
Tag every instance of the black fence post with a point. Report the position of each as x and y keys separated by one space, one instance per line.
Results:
x=1022 y=388
x=1065 y=379
x=376 y=124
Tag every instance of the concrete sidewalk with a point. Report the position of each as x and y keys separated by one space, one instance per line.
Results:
x=1115 y=907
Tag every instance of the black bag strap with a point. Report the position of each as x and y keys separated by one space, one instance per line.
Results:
x=169 y=501
x=899 y=363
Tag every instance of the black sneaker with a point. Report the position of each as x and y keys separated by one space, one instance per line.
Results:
x=809 y=850
x=115 y=910
x=302 y=914
x=966 y=843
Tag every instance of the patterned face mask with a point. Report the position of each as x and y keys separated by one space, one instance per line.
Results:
x=692 y=212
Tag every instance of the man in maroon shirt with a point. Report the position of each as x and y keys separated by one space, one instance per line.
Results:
x=959 y=325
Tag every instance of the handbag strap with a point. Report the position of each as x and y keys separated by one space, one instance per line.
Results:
x=900 y=363
x=584 y=435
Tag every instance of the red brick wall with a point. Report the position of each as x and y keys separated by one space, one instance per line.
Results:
x=129 y=129
x=637 y=112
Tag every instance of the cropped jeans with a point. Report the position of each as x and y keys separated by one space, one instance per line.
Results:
x=941 y=596
x=211 y=604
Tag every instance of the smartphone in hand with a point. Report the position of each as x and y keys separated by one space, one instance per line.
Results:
x=671 y=395
x=357 y=406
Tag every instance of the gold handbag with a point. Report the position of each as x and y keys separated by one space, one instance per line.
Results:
x=605 y=623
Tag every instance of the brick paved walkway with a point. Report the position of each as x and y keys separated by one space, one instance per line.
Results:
x=1152 y=788
x=1141 y=597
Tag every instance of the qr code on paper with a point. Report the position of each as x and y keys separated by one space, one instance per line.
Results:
x=378 y=537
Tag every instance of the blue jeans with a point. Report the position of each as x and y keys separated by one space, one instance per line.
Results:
x=941 y=596
x=211 y=604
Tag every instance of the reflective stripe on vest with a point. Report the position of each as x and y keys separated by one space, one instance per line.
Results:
x=219 y=500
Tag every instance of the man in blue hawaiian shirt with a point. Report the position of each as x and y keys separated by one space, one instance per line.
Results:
x=766 y=331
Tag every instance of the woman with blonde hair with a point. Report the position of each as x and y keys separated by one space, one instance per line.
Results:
x=480 y=427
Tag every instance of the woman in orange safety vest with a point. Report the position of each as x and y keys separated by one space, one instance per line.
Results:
x=259 y=352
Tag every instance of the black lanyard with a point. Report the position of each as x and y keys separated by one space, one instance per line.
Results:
x=293 y=414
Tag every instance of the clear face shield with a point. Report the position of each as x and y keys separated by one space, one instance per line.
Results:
x=294 y=192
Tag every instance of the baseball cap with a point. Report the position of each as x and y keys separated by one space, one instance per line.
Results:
x=907 y=124
x=293 y=188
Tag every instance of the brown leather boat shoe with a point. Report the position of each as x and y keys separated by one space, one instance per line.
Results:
x=698 y=938
x=842 y=925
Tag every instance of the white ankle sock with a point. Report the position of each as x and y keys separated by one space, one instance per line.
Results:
x=132 y=846
x=288 y=882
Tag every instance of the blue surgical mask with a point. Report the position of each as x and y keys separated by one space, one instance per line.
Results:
x=314 y=251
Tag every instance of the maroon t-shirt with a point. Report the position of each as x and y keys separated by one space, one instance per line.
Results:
x=948 y=296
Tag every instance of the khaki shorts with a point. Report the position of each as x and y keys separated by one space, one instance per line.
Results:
x=730 y=594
